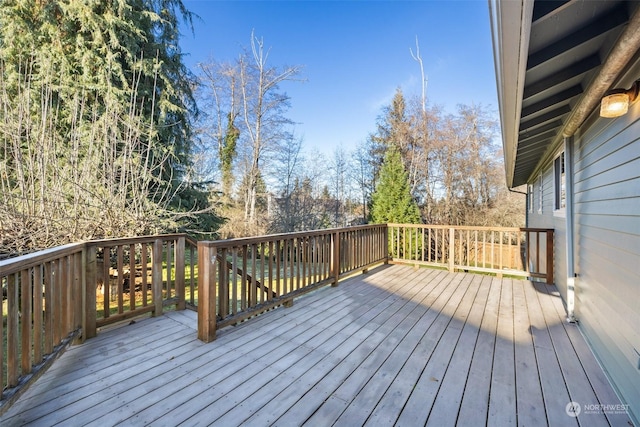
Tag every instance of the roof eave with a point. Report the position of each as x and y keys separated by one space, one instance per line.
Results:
x=510 y=29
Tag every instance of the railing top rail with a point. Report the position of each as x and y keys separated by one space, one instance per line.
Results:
x=14 y=265
x=470 y=227
x=132 y=240
x=273 y=237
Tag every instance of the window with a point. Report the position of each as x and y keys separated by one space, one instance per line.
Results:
x=560 y=183
x=540 y=194
x=530 y=197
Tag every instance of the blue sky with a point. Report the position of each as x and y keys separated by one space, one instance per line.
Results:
x=355 y=54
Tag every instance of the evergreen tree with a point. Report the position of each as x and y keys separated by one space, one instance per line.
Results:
x=392 y=200
x=96 y=109
x=393 y=129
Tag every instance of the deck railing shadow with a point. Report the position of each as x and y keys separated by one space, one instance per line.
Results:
x=59 y=295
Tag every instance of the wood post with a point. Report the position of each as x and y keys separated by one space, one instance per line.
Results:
x=156 y=272
x=89 y=283
x=452 y=249
x=527 y=248
x=550 y=257
x=385 y=244
x=180 y=265
x=207 y=261
x=335 y=257
x=78 y=285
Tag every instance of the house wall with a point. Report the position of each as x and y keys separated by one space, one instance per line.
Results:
x=607 y=232
x=607 y=241
x=550 y=218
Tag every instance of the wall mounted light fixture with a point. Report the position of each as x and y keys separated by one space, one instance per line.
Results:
x=616 y=102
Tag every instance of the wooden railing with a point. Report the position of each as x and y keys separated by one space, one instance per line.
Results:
x=525 y=252
x=43 y=308
x=134 y=276
x=60 y=294
x=239 y=278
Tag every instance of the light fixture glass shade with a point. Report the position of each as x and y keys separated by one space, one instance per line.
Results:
x=614 y=105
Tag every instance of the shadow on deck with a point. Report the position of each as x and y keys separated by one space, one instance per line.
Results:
x=397 y=346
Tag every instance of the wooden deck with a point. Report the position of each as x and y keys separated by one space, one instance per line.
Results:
x=394 y=346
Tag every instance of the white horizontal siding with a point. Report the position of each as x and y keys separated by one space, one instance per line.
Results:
x=607 y=215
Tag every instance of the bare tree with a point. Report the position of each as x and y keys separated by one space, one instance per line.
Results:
x=288 y=166
x=263 y=113
x=245 y=119
x=218 y=86
x=109 y=176
x=362 y=174
x=339 y=185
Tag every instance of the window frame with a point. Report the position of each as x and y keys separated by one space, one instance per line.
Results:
x=559 y=184
x=540 y=194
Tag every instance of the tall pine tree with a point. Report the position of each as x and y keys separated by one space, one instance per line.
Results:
x=96 y=107
x=392 y=200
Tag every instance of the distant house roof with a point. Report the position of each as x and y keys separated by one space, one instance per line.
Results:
x=554 y=60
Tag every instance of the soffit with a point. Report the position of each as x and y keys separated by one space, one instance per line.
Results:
x=568 y=43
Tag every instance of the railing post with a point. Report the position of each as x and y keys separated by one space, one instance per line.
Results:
x=78 y=282
x=89 y=283
x=527 y=249
x=156 y=274
x=451 y=249
x=550 y=257
x=179 y=260
x=386 y=243
x=207 y=259
x=335 y=257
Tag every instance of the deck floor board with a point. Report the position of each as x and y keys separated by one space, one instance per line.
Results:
x=395 y=346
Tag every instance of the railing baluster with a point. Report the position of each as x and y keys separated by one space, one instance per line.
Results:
x=65 y=291
x=179 y=273
x=48 y=307
x=233 y=285
x=272 y=289
x=132 y=277
x=12 y=331
x=25 y=330
x=144 y=259
x=253 y=290
x=37 y=316
x=224 y=285
x=57 y=301
x=156 y=283
x=278 y=266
